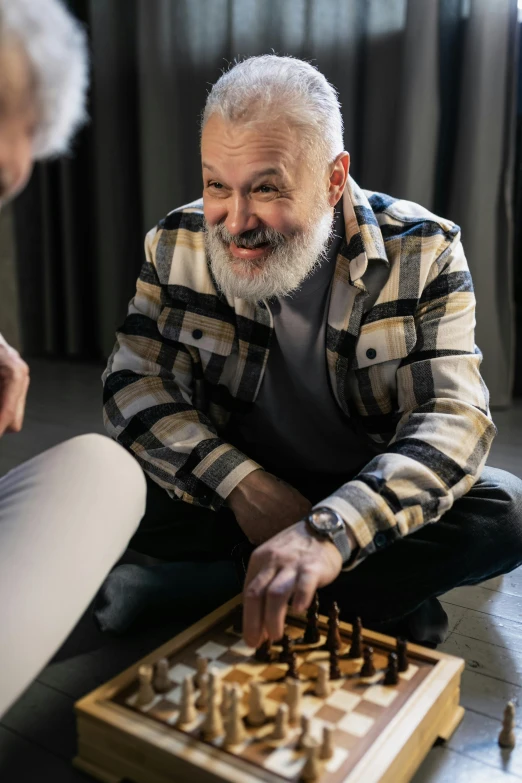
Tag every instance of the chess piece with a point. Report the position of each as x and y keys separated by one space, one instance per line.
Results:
x=327 y=749
x=162 y=682
x=333 y=638
x=201 y=670
x=226 y=700
x=293 y=699
x=368 y=667
x=202 y=700
x=356 y=646
x=335 y=671
x=256 y=712
x=304 y=737
x=187 y=711
x=311 y=634
x=292 y=672
x=280 y=731
x=235 y=731
x=237 y=620
x=392 y=675
x=146 y=692
x=506 y=738
x=402 y=655
x=212 y=725
x=284 y=655
x=311 y=769
x=322 y=685
x=262 y=654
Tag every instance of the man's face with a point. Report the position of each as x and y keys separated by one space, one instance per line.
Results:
x=17 y=121
x=268 y=219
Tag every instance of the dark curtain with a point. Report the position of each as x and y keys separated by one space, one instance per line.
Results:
x=422 y=106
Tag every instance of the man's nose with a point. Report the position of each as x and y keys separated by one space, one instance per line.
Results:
x=241 y=217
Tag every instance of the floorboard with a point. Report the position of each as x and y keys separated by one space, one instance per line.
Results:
x=37 y=734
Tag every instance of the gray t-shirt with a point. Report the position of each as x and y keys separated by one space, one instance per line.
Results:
x=296 y=423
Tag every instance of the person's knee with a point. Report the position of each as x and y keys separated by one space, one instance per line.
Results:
x=506 y=495
x=109 y=466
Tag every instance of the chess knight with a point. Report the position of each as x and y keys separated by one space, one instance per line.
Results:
x=297 y=374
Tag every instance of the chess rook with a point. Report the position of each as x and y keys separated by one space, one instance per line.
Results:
x=256 y=712
x=327 y=749
x=162 y=683
x=392 y=675
x=311 y=768
x=293 y=699
x=304 y=737
x=402 y=655
x=322 y=685
x=235 y=731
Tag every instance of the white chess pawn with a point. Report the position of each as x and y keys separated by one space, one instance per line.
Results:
x=280 y=731
x=202 y=700
x=162 y=682
x=506 y=738
x=146 y=692
x=256 y=711
x=311 y=769
x=201 y=670
x=293 y=699
x=187 y=712
x=322 y=685
x=235 y=731
x=327 y=749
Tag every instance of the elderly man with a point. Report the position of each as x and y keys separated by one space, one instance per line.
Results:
x=298 y=369
x=67 y=515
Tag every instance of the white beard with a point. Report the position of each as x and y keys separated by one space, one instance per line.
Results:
x=280 y=272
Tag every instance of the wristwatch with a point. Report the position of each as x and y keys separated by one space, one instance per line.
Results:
x=325 y=523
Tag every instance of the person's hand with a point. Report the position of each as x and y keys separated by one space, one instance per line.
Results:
x=14 y=383
x=292 y=563
x=264 y=505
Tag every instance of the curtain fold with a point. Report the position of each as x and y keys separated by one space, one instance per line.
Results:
x=427 y=91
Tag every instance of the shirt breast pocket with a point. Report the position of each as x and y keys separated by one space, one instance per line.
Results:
x=389 y=339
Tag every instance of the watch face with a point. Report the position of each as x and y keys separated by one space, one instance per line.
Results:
x=325 y=521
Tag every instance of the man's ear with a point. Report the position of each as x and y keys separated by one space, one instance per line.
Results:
x=338 y=178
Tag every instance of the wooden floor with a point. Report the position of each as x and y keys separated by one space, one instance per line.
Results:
x=37 y=737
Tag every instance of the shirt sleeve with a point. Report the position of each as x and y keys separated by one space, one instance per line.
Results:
x=445 y=429
x=148 y=406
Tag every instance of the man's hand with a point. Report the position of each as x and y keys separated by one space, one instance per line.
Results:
x=264 y=505
x=291 y=563
x=14 y=383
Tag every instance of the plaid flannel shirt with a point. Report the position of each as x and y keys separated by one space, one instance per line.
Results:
x=405 y=368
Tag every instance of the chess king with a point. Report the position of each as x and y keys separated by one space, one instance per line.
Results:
x=298 y=378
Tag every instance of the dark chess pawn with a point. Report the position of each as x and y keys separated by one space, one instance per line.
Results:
x=333 y=639
x=368 y=667
x=292 y=666
x=402 y=655
x=335 y=671
x=356 y=646
x=311 y=634
x=284 y=655
x=392 y=675
x=262 y=654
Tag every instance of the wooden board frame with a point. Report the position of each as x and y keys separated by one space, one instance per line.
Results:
x=115 y=744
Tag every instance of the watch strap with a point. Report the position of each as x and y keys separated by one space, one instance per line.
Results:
x=342 y=542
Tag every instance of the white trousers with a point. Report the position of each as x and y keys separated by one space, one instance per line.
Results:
x=66 y=516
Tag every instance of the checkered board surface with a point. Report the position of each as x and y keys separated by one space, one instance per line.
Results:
x=359 y=709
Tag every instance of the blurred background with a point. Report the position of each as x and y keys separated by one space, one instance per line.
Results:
x=432 y=107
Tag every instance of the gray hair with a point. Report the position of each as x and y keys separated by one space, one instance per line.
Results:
x=56 y=47
x=281 y=89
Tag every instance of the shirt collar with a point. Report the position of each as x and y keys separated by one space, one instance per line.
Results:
x=363 y=238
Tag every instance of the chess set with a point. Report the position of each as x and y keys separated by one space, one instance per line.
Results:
x=330 y=702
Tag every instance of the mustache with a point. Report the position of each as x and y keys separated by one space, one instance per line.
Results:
x=248 y=239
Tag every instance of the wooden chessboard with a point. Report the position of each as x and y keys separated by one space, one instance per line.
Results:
x=382 y=733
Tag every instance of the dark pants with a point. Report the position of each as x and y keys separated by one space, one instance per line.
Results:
x=478 y=538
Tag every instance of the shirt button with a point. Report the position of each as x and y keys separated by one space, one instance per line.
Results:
x=197 y=334
x=371 y=353
x=379 y=540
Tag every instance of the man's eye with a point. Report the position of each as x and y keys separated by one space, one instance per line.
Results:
x=216 y=185
x=266 y=189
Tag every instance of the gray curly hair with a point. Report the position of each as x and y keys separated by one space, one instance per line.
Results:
x=271 y=88
x=56 y=47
